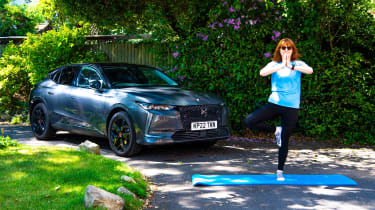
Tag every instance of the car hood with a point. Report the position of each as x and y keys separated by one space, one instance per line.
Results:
x=170 y=95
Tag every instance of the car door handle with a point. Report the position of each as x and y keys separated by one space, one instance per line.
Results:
x=50 y=93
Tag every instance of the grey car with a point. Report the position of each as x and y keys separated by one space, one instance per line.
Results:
x=130 y=105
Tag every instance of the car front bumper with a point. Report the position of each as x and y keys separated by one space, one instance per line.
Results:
x=163 y=127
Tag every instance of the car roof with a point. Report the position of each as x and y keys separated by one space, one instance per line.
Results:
x=103 y=64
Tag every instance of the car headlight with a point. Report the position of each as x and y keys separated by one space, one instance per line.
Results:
x=156 y=107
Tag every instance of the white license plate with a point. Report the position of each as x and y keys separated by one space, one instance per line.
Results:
x=203 y=125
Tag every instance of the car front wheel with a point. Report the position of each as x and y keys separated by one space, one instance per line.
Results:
x=40 y=123
x=121 y=135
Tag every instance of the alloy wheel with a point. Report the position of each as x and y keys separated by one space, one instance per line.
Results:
x=120 y=135
x=39 y=121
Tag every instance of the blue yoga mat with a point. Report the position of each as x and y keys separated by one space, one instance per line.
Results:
x=270 y=179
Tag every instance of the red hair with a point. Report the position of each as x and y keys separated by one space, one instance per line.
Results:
x=286 y=42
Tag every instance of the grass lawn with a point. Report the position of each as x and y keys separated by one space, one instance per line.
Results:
x=56 y=178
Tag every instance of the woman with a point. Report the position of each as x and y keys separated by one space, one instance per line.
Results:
x=285 y=70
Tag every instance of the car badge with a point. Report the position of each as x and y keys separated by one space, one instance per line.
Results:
x=204 y=112
x=198 y=99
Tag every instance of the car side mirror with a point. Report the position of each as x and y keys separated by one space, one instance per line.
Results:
x=96 y=84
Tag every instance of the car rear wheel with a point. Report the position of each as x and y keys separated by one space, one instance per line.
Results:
x=121 y=135
x=40 y=123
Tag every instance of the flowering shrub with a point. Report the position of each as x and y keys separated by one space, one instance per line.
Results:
x=225 y=58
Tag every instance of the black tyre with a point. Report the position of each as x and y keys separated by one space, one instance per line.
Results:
x=121 y=135
x=40 y=123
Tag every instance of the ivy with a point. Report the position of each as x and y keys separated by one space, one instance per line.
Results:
x=226 y=55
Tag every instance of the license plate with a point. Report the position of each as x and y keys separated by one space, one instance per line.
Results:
x=203 y=125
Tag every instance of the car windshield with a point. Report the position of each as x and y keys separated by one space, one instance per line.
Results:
x=132 y=76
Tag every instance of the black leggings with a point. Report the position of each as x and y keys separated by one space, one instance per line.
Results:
x=270 y=111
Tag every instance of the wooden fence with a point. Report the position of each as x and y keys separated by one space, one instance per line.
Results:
x=115 y=47
x=128 y=53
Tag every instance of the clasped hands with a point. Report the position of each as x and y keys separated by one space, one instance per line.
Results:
x=286 y=57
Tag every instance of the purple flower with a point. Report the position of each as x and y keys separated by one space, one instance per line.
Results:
x=238 y=21
x=236 y=27
x=225 y=3
x=175 y=54
x=231 y=21
x=267 y=55
x=182 y=77
x=174 y=68
x=220 y=25
x=205 y=38
x=231 y=9
x=277 y=33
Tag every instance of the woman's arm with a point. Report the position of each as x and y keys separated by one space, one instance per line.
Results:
x=271 y=68
x=304 y=68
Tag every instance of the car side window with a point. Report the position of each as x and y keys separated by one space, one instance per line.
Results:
x=67 y=76
x=86 y=76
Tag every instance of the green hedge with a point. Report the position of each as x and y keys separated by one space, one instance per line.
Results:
x=336 y=39
x=24 y=65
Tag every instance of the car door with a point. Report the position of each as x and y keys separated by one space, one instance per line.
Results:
x=88 y=102
x=58 y=97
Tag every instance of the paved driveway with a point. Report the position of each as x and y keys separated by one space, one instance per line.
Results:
x=171 y=167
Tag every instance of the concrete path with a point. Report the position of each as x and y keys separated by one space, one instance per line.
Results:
x=171 y=167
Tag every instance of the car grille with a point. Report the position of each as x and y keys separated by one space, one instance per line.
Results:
x=199 y=113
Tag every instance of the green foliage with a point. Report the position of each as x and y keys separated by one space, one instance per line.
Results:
x=25 y=65
x=7 y=142
x=137 y=16
x=225 y=56
x=18 y=119
x=335 y=37
x=220 y=46
x=15 y=20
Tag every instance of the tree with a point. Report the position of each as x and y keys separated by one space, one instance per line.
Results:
x=175 y=17
x=15 y=20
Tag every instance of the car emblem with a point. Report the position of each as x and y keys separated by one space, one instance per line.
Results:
x=198 y=99
x=204 y=112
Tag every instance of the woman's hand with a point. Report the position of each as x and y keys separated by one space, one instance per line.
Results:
x=286 y=58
